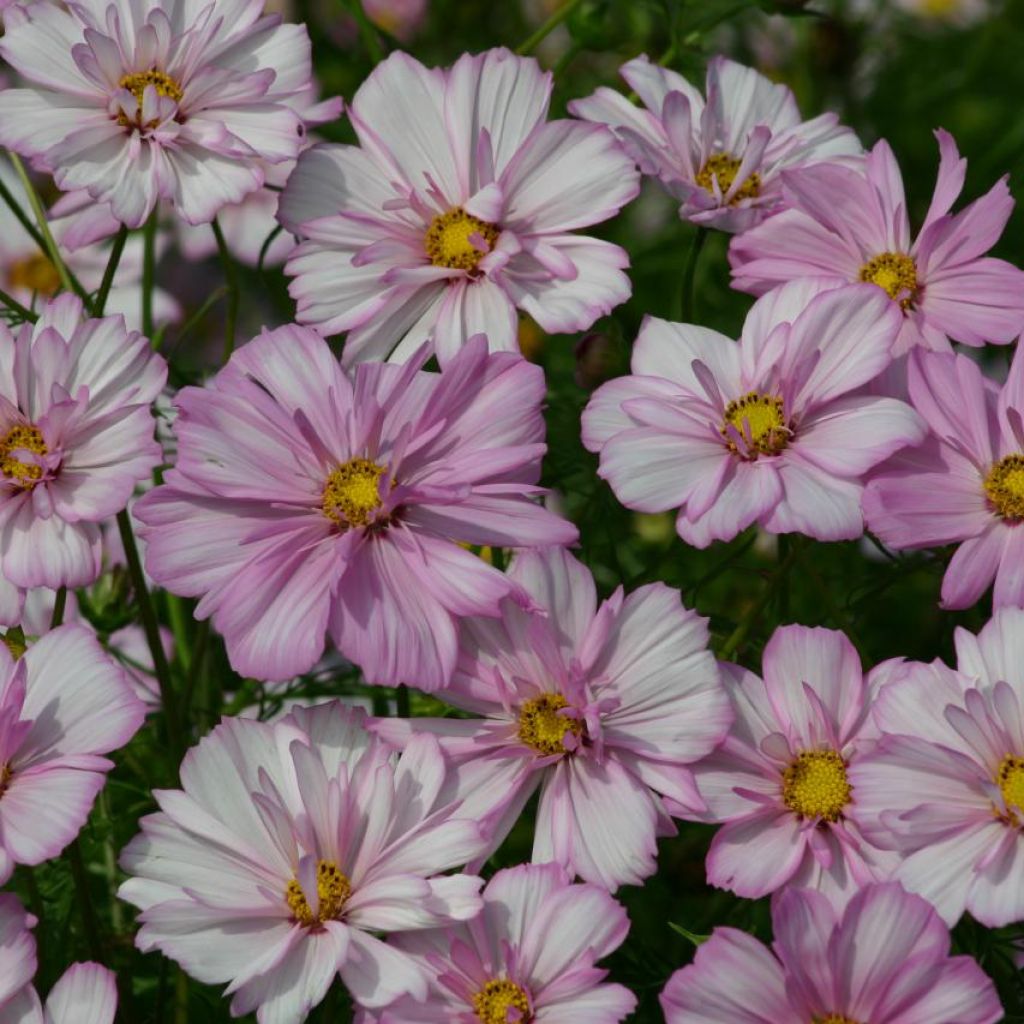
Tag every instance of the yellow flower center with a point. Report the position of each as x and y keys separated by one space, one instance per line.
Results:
x=724 y=168
x=352 y=492
x=332 y=888
x=761 y=421
x=814 y=785
x=895 y=273
x=833 y=1018
x=26 y=438
x=14 y=641
x=448 y=239
x=1011 y=783
x=938 y=8
x=1004 y=486
x=35 y=274
x=137 y=81
x=543 y=727
x=5 y=777
x=494 y=1001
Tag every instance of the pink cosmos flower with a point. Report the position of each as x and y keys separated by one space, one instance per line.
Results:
x=885 y=959
x=305 y=501
x=780 y=780
x=945 y=787
x=291 y=844
x=849 y=225
x=163 y=99
x=766 y=431
x=76 y=435
x=63 y=704
x=17 y=949
x=722 y=159
x=86 y=993
x=965 y=483
x=456 y=208
x=529 y=957
x=604 y=708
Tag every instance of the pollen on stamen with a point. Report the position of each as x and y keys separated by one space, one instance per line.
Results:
x=22 y=437
x=448 y=241
x=1010 y=777
x=543 y=727
x=136 y=83
x=761 y=422
x=814 y=785
x=724 y=168
x=501 y=1001
x=896 y=274
x=1004 y=487
x=332 y=888
x=36 y=274
x=352 y=493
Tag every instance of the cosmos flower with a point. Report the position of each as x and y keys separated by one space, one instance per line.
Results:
x=529 y=957
x=290 y=845
x=86 y=993
x=605 y=708
x=722 y=159
x=885 y=959
x=768 y=431
x=965 y=484
x=945 y=787
x=456 y=209
x=63 y=704
x=852 y=225
x=76 y=436
x=780 y=780
x=163 y=99
x=305 y=501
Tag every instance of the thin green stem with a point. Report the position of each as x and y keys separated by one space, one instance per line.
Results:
x=685 y=303
x=59 y=604
x=100 y=302
x=265 y=247
x=556 y=19
x=67 y=279
x=148 y=273
x=195 y=666
x=152 y=631
x=23 y=218
x=12 y=303
x=83 y=897
x=231 y=279
x=198 y=316
x=566 y=59
x=367 y=31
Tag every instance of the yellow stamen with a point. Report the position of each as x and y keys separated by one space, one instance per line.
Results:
x=725 y=168
x=834 y=1018
x=1011 y=783
x=352 y=492
x=448 y=244
x=542 y=727
x=1004 y=486
x=761 y=421
x=814 y=785
x=332 y=888
x=895 y=273
x=5 y=777
x=35 y=274
x=137 y=81
x=25 y=437
x=493 y=1002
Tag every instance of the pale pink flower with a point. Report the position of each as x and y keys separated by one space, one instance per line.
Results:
x=529 y=957
x=456 y=209
x=86 y=993
x=885 y=959
x=965 y=483
x=945 y=787
x=164 y=99
x=76 y=436
x=289 y=847
x=771 y=430
x=17 y=950
x=605 y=708
x=852 y=225
x=780 y=780
x=304 y=501
x=722 y=159
x=63 y=704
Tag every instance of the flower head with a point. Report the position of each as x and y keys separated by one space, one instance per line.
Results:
x=64 y=703
x=305 y=501
x=529 y=957
x=780 y=782
x=852 y=225
x=456 y=208
x=605 y=708
x=965 y=483
x=288 y=847
x=945 y=786
x=766 y=431
x=884 y=960
x=76 y=436
x=160 y=100
x=722 y=158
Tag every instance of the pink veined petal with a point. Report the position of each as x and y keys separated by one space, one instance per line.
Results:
x=974 y=565
x=667 y=350
x=803 y=922
x=85 y=994
x=377 y=973
x=775 y=835
x=1009 y=586
x=950 y=180
x=475 y=307
x=815 y=503
x=996 y=895
x=606 y=414
x=747 y=494
x=960 y=989
x=977 y=303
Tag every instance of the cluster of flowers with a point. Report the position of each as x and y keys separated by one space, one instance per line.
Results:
x=311 y=497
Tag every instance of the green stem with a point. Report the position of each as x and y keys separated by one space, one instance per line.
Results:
x=402 y=702
x=265 y=247
x=685 y=307
x=566 y=59
x=148 y=273
x=195 y=666
x=100 y=303
x=152 y=630
x=83 y=897
x=367 y=31
x=23 y=218
x=68 y=281
x=198 y=316
x=12 y=303
x=59 y=604
x=231 y=279
x=547 y=28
